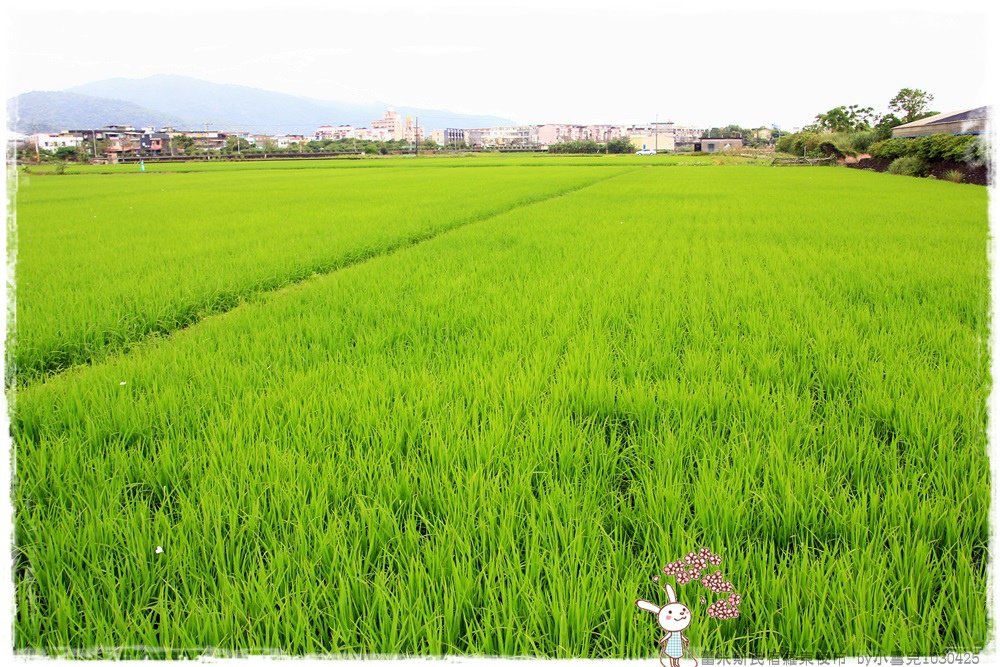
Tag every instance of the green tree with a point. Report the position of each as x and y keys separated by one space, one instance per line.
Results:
x=577 y=147
x=849 y=118
x=182 y=143
x=621 y=145
x=731 y=131
x=884 y=124
x=911 y=103
x=101 y=147
x=67 y=153
x=236 y=144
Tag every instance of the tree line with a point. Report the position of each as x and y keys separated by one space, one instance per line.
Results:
x=852 y=128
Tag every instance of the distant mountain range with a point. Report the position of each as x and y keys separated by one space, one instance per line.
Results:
x=43 y=111
x=187 y=103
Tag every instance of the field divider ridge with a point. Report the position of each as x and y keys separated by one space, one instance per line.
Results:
x=351 y=259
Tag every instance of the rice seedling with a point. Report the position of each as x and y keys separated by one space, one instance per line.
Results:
x=488 y=442
x=105 y=262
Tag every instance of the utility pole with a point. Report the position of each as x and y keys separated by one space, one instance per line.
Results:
x=416 y=135
x=656 y=134
x=93 y=142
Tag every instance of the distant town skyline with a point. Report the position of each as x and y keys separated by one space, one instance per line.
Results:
x=541 y=62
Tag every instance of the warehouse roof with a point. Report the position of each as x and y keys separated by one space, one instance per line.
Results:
x=949 y=117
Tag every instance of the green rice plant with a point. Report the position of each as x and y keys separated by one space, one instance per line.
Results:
x=488 y=442
x=493 y=159
x=106 y=262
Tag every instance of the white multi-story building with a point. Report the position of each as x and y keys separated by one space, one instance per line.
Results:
x=381 y=134
x=561 y=133
x=286 y=140
x=604 y=133
x=681 y=134
x=476 y=137
x=553 y=133
x=51 y=142
x=393 y=127
x=334 y=133
x=518 y=135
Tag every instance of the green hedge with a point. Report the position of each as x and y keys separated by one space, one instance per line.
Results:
x=818 y=144
x=963 y=148
x=576 y=147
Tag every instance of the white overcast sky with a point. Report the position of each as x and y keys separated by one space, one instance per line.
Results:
x=752 y=63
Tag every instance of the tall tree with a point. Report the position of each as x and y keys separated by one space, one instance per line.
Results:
x=849 y=118
x=911 y=103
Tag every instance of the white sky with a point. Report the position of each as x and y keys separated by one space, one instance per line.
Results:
x=542 y=61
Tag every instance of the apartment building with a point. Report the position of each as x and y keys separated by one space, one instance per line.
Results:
x=476 y=136
x=391 y=124
x=394 y=127
x=51 y=142
x=454 y=136
x=335 y=133
x=553 y=133
x=514 y=136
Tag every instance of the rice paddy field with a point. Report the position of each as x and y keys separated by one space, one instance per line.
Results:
x=472 y=406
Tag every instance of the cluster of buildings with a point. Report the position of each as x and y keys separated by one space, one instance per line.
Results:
x=391 y=127
x=665 y=136
x=117 y=141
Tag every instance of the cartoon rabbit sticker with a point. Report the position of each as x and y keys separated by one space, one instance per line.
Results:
x=673 y=617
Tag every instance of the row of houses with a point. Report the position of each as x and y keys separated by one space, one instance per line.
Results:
x=115 y=141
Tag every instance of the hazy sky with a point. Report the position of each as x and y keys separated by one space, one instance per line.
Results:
x=751 y=63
